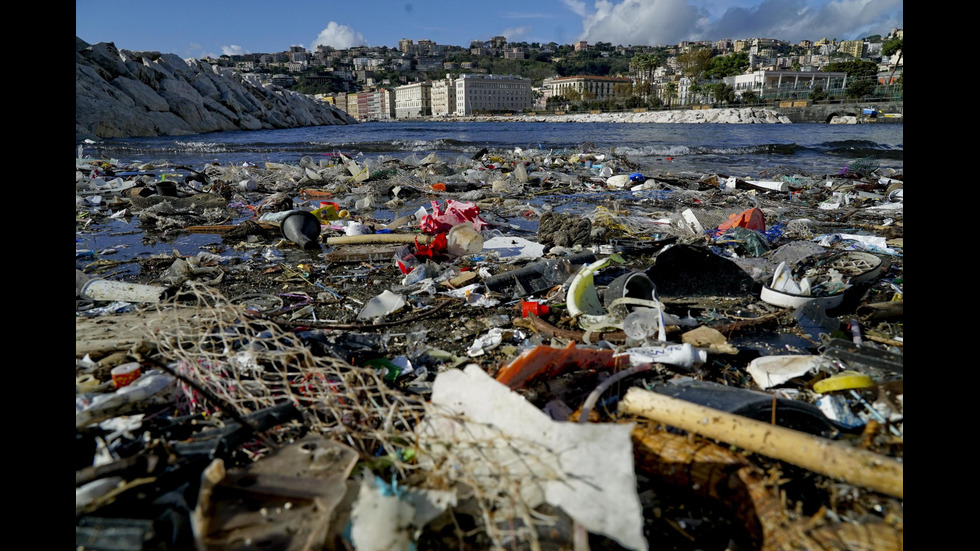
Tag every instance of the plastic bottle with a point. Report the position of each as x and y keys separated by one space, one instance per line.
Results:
x=680 y=355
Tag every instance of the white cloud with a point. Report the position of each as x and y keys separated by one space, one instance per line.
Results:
x=577 y=7
x=515 y=34
x=233 y=49
x=340 y=37
x=656 y=22
x=649 y=22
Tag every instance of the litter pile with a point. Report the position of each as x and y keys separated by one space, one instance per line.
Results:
x=525 y=349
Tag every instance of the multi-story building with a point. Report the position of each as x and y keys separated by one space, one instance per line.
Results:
x=492 y=93
x=852 y=47
x=787 y=84
x=384 y=104
x=587 y=87
x=413 y=100
x=352 y=105
x=444 y=96
x=486 y=93
x=581 y=45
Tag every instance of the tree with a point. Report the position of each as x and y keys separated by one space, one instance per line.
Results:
x=695 y=63
x=818 y=93
x=723 y=93
x=670 y=90
x=861 y=87
x=644 y=65
x=889 y=49
x=749 y=96
x=727 y=65
x=854 y=68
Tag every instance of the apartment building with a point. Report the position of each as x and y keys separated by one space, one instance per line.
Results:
x=786 y=84
x=413 y=100
x=444 y=96
x=486 y=93
x=352 y=105
x=588 y=87
x=852 y=47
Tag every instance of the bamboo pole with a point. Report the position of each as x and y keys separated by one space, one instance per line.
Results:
x=374 y=238
x=833 y=459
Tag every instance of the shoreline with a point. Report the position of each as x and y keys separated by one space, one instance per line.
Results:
x=726 y=115
x=850 y=114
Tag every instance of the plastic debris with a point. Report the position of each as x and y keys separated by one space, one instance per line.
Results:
x=600 y=495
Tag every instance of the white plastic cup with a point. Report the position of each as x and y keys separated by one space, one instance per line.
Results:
x=463 y=239
x=112 y=291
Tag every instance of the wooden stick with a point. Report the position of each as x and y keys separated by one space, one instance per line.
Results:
x=373 y=238
x=839 y=461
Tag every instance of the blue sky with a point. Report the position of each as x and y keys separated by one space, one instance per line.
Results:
x=195 y=28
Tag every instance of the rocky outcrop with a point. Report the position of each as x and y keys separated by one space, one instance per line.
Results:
x=121 y=93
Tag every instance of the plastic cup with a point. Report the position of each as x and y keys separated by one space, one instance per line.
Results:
x=463 y=239
x=125 y=374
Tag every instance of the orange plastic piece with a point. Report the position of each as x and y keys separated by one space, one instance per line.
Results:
x=310 y=193
x=752 y=219
x=439 y=187
x=547 y=361
x=533 y=307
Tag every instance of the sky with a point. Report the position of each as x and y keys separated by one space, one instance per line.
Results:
x=198 y=28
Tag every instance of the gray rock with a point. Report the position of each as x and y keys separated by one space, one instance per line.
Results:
x=122 y=93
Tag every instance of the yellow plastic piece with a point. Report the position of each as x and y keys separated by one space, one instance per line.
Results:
x=845 y=380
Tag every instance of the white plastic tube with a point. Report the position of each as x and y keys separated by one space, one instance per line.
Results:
x=104 y=289
x=680 y=355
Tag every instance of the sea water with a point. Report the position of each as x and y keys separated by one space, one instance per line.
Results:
x=742 y=150
x=751 y=151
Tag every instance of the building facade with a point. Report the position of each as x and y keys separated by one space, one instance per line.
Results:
x=587 y=87
x=444 y=97
x=413 y=100
x=492 y=93
x=787 y=84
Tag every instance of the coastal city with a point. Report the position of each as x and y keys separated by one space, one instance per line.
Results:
x=595 y=279
x=421 y=79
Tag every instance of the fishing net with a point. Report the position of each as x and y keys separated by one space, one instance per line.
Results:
x=226 y=357
x=862 y=167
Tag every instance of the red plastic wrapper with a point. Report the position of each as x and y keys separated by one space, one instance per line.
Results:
x=436 y=247
x=443 y=218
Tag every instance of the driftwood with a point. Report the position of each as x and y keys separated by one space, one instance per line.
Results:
x=852 y=465
x=716 y=472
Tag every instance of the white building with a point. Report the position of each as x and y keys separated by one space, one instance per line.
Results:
x=786 y=84
x=588 y=87
x=487 y=93
x=413 y=100
x=444 y=96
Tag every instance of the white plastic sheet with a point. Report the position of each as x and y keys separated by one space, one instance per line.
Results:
x=586 y=469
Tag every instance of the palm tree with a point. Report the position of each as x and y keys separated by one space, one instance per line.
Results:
x=670 y=90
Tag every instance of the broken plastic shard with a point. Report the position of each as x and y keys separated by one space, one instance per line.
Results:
x=771 y=371
x=642 y=323
x=382 y=305
x=555 y=462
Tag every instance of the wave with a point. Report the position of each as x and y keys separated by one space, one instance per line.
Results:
x=863 y=148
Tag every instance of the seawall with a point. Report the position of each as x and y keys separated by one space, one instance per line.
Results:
x=886 y=112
